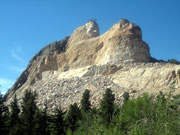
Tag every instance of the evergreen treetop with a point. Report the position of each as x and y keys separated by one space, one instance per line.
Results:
x=107 y=106
x=85 y=102
x=73 y=115
x=29 y=109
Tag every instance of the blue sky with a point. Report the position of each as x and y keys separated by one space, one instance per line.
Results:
x=26 y=26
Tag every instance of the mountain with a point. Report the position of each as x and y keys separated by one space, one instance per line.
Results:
x=118 y=59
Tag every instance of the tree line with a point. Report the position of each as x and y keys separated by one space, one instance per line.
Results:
x=145 y=115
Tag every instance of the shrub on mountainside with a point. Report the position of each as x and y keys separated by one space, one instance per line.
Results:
x=173 y=61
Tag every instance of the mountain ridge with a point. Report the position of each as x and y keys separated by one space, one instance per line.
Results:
x=119 y=56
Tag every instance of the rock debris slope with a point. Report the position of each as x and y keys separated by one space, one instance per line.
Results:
x=118 y=59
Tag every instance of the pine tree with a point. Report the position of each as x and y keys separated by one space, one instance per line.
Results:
x=41 y=123
x=3 y=116
x=1 y=113
x=29 y=109
x=107 y=106
x=85 y=103
x=59 y=122
x=14 y=119
x=74 y=114
x=45 y=122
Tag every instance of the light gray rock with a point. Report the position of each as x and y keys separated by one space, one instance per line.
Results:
x=118 y=59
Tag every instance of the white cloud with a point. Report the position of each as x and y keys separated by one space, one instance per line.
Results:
x=3 y=93
x=19 y=49
x=14 y=54
x=5 y=84
x=17 y=69
x=17 y=57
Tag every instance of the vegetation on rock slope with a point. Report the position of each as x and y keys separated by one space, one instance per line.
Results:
x=145 y=115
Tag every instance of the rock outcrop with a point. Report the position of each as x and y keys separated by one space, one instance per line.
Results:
x=44 y=60
x=118 y=59
x=87 y=31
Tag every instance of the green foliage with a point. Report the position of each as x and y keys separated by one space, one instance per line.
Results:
x=85 y=102
x=41 y=122
x=149 y=115
x=74 y=114
x=107 y=106
x=126 y=96
x=174 y=61
x=145 y=115
x=58 y=126
x=29 y=110
x=2 y=117
x=14 y=120
x=14 y=115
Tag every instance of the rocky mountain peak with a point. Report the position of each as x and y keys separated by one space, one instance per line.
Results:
x=118 y=59
x=123 y=21
x=124 y=27
x=92 y=29
x=84 y=32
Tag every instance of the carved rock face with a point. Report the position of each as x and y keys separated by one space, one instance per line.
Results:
x=122 y=43
x=92 y=29
x=87 y=31
x=85 y=48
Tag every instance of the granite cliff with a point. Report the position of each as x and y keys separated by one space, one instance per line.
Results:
x=118 y=59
